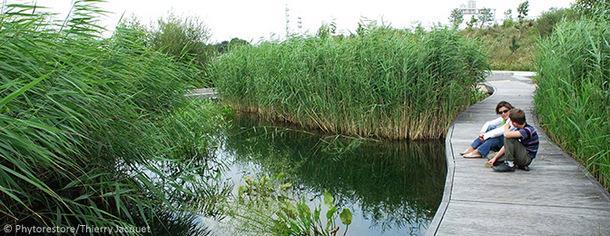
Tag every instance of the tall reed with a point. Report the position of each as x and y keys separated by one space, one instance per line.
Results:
x=572 y=99
x=89 y=127
x=381 y=82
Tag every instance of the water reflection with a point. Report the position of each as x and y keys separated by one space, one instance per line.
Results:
x=393 y=188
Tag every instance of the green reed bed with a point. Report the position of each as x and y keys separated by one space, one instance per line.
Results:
x=89 y=127
x=380 y=83
x=572 y=99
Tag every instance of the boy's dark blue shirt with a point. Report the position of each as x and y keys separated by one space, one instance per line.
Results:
x=529 y=139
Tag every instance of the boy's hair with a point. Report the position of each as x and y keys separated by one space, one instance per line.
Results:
x=504 y=104
x=517 y=115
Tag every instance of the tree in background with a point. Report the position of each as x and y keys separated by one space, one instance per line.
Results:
x=522 y=11
x=508 y=18
x=456 y=17
x=596 y=8
x=587 y=5
x=328 y=30
x=485 y=15
x=472 y=22
x=514 y=45
x=225 y=46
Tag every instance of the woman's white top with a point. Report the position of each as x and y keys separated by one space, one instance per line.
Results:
x=495 y=128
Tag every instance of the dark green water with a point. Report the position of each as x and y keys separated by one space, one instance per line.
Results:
x=392 y=188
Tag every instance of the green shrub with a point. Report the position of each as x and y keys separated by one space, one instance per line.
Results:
x=549 y=19
x=381 y=82
x=184 y=39
x=572 y=98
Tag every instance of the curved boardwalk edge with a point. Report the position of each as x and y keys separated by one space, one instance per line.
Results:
x=558 y=196
x=442 y=208
x=450 y=161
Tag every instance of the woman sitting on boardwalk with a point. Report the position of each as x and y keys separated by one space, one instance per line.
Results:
x=491 y=135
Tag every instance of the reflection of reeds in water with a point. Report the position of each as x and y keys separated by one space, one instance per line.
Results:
x=395 y=184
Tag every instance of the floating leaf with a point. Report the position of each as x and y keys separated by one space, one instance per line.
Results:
x=346 y=216
x=328 y=199
x=331 y=212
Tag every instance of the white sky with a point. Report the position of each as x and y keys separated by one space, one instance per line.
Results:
x=254 y=20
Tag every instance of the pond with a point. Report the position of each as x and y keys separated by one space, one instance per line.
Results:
x=392 y=188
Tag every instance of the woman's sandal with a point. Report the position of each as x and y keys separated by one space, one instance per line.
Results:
x=464 y=152
x=470 y=155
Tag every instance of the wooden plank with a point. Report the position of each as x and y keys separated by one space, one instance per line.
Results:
x=480 y=218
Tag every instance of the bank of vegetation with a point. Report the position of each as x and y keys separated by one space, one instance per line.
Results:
x=378 y=82
x=572 y=100
x=511 y=43
x=97 y=131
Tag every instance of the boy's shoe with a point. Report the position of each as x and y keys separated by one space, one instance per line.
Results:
x=464 y=152
x=525 y=168
x=504 y=168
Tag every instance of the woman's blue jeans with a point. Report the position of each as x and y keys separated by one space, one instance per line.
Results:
x=490 y=144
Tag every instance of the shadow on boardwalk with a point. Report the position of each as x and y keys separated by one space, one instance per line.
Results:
x=557 y=197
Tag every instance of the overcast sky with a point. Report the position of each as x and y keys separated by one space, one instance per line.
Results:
x=254 y=20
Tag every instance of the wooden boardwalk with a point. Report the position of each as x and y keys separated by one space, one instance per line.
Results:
x=556 y=197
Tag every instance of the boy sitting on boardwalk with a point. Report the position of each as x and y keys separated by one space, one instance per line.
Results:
x=520 y=144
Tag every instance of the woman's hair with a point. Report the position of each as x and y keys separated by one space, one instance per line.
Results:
x=503 y=104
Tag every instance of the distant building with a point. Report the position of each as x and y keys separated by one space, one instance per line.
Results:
x=470 y=9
